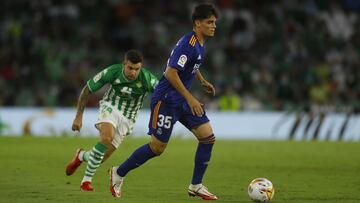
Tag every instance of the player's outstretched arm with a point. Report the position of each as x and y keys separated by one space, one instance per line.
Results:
x=172 y=76
x=83 y=99
x=209 y=88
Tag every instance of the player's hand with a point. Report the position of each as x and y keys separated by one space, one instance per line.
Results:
x=209 y=88
x=196 y=107
x=77 y=124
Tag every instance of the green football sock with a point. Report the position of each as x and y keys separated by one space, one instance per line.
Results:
x=94 y=159
x=85 y=156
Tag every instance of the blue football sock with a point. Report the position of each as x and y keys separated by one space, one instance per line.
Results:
x=139 y=157
x=202 y=158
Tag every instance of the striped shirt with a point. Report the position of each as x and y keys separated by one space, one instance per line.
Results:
x=127 y=96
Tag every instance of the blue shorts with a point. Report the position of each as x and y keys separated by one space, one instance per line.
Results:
x=164 y=116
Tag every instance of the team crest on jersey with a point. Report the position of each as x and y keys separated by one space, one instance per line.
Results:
x=182 y=60
x=138 y=84
x=159 y=131
x=97 y=77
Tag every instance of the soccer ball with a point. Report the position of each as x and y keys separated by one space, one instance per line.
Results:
x=261 y=190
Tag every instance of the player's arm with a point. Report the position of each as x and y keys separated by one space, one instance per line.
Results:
x=94 y=84
x=171 y=74
x=209 y=88
x=83 y=100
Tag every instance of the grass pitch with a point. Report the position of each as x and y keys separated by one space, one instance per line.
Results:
x=33 y=170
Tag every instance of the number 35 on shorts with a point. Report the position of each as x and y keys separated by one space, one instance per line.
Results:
x=164 y=121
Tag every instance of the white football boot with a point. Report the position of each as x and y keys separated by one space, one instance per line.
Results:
x=115 y=182
x=201 y=191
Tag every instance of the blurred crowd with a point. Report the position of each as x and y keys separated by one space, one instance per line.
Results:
x=266 y=55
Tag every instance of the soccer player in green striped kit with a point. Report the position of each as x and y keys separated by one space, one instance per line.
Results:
x=129 y=84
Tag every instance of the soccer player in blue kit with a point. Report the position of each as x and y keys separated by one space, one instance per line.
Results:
x=172 y=102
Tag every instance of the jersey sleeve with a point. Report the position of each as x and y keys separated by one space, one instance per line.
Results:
x=152 y=82
x=180 y=55
x=105 y=76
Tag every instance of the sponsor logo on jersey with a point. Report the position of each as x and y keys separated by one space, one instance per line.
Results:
x=126 y=90
x=182 y=60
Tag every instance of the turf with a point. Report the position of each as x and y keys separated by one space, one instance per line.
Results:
x=32 y=170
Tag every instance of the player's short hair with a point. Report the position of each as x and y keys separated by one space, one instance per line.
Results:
x=134 y=56
x=203 y=11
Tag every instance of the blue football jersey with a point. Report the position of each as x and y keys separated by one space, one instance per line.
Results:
x=187 y=56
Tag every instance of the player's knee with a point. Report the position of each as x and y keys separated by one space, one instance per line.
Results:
x=207 y=140
x=157 y=148
x=106 y=133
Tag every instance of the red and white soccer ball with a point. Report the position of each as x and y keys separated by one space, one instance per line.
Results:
x=261 y=190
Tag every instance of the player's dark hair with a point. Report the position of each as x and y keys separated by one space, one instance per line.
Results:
x=134 y=56
x=203 y=11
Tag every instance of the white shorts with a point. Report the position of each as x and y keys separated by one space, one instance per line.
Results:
x=122 y=125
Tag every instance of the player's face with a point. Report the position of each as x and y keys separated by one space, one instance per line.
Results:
x=207 y=26
x=131 y=70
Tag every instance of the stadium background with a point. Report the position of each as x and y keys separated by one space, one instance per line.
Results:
x=298 y=60
x=292 y=56
x=273 y=55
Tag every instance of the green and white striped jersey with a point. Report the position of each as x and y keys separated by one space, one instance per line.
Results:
x=127 y=96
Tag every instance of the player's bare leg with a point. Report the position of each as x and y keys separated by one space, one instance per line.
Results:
x=157 y=146
x=204 y=134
